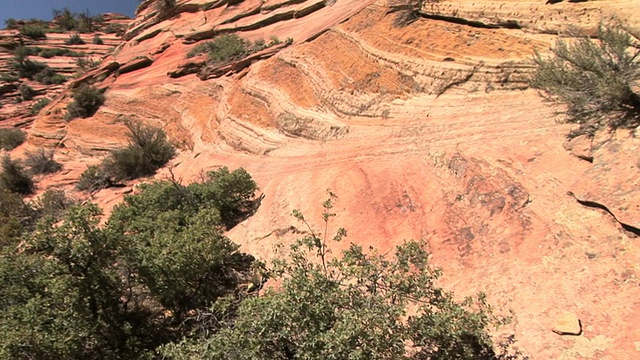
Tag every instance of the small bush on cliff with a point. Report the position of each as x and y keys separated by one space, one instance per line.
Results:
x=41 y=162
x=11 y=138
x=97 y=40
x=148 y=151
x=87 y=99
x=33 y=31
x=35 y=109
x=223 y=48
x=14 y=178
x=26 y=92
x=165 y=8
x=93 y=179
x=597 y=80
x=74 y=39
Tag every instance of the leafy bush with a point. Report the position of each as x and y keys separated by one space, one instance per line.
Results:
x=14 y=178
x=10 y=24
x=65 y=19
x=74 y=39
x=53 y=203
x=597 y=80
x=41 y=162
x=165 y=8
x=87 y=99
x=35 y=109
x=11 y=138
x=361 y=305
x=49 y=53
x=223 y=48
x=49 y=77
x=97 y=40
x=148 y=151
x=86 y=63
x=9 y=76
x=93 y=179
x=33 y=31
x=26 y=92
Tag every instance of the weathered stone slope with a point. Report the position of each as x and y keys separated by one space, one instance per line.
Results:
x=426 y=130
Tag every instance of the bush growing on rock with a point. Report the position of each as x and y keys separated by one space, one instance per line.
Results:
x=596 y=80
x=14 y=178
x=11 y=138
x=148 y=151
x=74 y=39
x=93 y=179
x=87 y=99
x=223 y=48
x=26 y=92
x=33 y=31
x=35 y=109
x=97 y=40
x=41 y=162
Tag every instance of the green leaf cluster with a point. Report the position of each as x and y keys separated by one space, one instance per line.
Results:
x=73 y=289
x=596 y=80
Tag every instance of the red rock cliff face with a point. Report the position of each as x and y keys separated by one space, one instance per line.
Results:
x=425 y=130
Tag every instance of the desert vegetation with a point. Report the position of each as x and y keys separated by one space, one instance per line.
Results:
x=14 y=178
x=23 y=67
x=596 y=81
x=161 y=280
x=11 y=138
x=87 y=99
x=148 y=150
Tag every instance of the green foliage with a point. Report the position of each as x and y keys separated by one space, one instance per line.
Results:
x=41 y=162
x=49 y=77
x=148 y=151
x=223 y=48
x=26 y=92
x=9 y=77
x=97 y=40
x=15 y=215
x=39 y=105
x=49 y=53
x=65 y=18
x=14 y=178
x=165 y=8
x=74 y=39
x=52 y=203
x=362 y=305
x=92 y=179
x=597 y=80
x=75 y=290
x=10 y=24
x=87 y=99
x=86 y=63
x=35 y=32
x=11 y=138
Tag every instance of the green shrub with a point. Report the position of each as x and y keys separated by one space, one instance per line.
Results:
x=74 y=39
x=148 y=151
x=223 y=48
x=52 y=203
x=14 y=178
x=65 y=18
x=26 y=92
x=87 y=99
x=93 y=179
x=48 y=76
x=41 y=162
x=49 y=53
x=35 y=109
x=596 y=80
x=33 y=31
x=165 y=8
x=97 y=40
x=10 y=24
x=11 y=138
x=9 y=76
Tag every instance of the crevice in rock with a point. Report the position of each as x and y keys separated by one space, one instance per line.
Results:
x=507 y=24
x=593 y=204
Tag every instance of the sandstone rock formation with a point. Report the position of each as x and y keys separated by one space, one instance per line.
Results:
x=425 y=129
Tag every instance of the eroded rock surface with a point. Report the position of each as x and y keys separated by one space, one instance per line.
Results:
x=425 y=130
